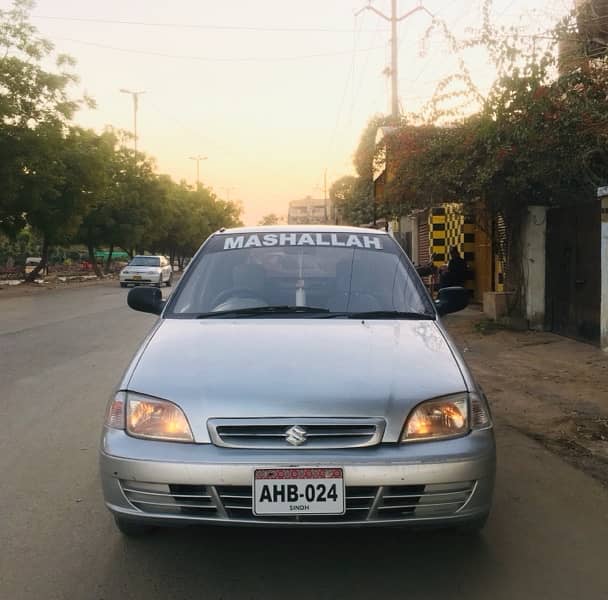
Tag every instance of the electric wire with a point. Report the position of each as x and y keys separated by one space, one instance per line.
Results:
x=210 y=27
x=267 y=59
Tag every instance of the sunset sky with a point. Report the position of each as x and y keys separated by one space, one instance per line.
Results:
x=273 y=91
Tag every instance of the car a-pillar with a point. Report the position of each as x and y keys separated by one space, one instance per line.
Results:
x=602 y=194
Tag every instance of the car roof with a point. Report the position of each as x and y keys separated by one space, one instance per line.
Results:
x=302 y=229
x=148 y=256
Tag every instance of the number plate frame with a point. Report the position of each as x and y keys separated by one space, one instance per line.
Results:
x=301 y=477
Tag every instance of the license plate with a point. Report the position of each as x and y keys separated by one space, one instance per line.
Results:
x=298 y=491
x=137 y=277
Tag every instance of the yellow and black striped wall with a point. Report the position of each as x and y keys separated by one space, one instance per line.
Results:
x=448 y=226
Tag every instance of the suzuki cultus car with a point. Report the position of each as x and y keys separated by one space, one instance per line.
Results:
x=298 y=376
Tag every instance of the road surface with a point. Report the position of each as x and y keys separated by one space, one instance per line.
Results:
x=60 y=355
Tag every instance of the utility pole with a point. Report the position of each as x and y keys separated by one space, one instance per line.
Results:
x=227 y=191
x=325 y=194
x=135 y=96
x=198 y=159
x=394 y=68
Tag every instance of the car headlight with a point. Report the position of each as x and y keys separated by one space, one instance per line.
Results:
x=148 y=418
x=449 y=416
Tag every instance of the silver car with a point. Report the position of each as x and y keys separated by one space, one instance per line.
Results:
x=311 y=383
x=147 y=270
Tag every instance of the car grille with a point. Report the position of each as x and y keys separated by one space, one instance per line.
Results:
x=304 y=434
x=363 y=503
x=195 y=500
x=143 y=279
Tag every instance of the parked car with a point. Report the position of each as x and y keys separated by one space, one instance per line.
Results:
x=312 y=383
x=147 y=270
x=31 y=262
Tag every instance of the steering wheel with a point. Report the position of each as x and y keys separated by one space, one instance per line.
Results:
x=236 y=292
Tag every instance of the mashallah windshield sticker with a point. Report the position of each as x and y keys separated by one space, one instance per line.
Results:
x=341 y=240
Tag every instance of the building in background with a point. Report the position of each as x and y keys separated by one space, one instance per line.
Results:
x=309 y=211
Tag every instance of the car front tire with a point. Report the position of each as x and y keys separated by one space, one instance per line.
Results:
x=123 y=285
x=132 y=528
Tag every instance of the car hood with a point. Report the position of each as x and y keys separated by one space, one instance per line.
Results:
x=222 y=368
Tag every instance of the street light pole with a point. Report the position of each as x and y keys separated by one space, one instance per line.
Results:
x=227 y=191
x=135 y=96
x=198 y=159
x=325 y=195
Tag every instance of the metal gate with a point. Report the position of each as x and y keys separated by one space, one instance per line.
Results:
x=573 y=271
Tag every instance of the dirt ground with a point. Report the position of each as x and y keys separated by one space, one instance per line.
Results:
x=29 y=289
x=551 y=388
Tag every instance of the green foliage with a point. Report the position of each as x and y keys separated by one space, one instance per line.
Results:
x=353 y=195
x=270 y=219
x=31 y=94
x=18 y=249
x=366 y=150
x=352 y=199
x=64 y=184
x=537 y=141
x=538 y=138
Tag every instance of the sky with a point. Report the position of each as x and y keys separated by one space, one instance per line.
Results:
x=273 y=92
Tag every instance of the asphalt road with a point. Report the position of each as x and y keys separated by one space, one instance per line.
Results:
x=60 y=355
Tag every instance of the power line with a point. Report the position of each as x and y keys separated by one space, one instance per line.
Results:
x=349 y=76
x=209 y=27
x=356 y=94
x=215 y=58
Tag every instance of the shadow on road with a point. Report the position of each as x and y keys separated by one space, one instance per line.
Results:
x=257 y=563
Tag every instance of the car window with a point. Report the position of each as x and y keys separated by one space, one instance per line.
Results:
x=338 y=272
x=145 y=261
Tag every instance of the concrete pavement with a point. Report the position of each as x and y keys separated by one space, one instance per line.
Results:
x=60 y=356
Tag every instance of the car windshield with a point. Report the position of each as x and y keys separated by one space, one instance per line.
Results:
x=269 y=274
x=145 y=261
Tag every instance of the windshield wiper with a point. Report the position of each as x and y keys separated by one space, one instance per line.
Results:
x=263 y=310
x=384 y=314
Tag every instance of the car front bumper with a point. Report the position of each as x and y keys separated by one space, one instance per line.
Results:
x=143 y=278
x=426 y=483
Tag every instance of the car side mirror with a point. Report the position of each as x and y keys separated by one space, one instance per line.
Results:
x=452 y=299
x=146 y=299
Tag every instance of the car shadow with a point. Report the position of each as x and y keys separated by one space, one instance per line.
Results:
x=220 y=562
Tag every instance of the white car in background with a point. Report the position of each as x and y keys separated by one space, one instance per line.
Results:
x=147 y=270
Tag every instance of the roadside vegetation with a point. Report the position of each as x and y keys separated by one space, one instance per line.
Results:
x=539 y=136
x=63 y=185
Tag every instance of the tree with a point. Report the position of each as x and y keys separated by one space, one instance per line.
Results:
x=35 y=107
x=352 y=199
x=59 y=181
x=193 y=215
x=31 y=94
x=65 y=184
x=270 y=219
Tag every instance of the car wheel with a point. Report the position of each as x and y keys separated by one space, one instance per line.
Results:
x=123 y=284
x=170 y=281
x=132 y=528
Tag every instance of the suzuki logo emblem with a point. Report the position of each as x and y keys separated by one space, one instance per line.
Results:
x=295 y=435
